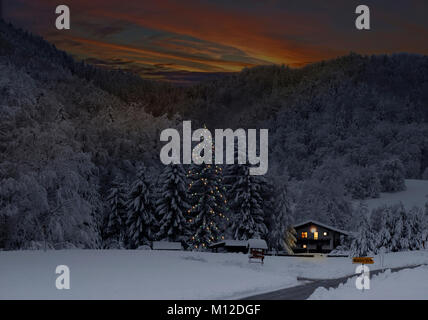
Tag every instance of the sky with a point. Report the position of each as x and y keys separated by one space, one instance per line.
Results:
x=175 y=39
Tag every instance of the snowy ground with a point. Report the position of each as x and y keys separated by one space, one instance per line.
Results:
x=415 y=195
x=126 y=274
x=402 y=285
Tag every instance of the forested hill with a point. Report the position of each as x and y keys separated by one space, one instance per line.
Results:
x=260 y=92
x=343 y=129
x=43 y=61
x=67 y=131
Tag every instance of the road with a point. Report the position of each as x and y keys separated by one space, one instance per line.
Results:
x=303 y=291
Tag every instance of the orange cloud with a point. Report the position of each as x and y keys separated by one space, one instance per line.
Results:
x=221 y=35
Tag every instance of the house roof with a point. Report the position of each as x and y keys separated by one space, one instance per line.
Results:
x=230 y=243
x=235 y=243
x=321 y=225
x=257 y=244
x=165 y=245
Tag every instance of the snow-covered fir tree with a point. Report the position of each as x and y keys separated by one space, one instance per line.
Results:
x=140 y=217
x=384 y=236
x=116 y=223
x=416 y=217
x=172 y=204
x=402 y=229
x=364 y=243
x=282 y=234
x=247 y=205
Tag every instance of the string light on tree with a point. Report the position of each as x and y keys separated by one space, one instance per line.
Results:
x=206 y=190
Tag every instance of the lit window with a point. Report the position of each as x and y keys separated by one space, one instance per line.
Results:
x=304 y=246
x=315 y=235
x=325 y=233
x=304 y=234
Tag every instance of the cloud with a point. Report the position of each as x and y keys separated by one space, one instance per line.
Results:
x=222 y=36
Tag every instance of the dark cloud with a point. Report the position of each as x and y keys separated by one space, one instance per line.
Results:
x=181 y=36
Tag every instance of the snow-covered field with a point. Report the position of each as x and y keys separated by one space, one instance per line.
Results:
x=126 y=274
x=405 y=284
x=415 y=195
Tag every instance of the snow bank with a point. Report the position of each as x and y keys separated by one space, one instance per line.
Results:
x=146 y=274
x=405 y=284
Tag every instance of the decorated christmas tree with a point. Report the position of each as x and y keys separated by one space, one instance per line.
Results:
x=207 y=214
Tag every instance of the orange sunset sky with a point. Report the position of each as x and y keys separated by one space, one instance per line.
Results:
x=162 y=38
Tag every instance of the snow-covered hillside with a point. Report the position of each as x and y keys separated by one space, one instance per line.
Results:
x=405 y=284
x=415 y=195
x=136 y=274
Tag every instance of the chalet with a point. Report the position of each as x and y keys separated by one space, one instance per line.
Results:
x=314 y=236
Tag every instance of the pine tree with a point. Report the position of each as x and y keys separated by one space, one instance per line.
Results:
x=401 y=231
x=116 y=200
x=415 y=218
x=140 y=219
x=384 y=236
x=209 y=204
x=247 y=205
x=281 y=229
x=172 y=205
x=364 y=243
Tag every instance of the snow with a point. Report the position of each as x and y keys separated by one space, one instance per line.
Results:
x=257 y=244
x=235 y=243
x=166 y=245
x=230 y=243
x=145 y=274
x=415 y=195
x=404 y=284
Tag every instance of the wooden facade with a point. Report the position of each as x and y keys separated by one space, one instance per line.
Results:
x=316 y=237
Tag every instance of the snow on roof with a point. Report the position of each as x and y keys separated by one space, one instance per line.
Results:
x=230 y=243
x=321 y=225
x=257 y=244
x=165 y=245
x=235 y=243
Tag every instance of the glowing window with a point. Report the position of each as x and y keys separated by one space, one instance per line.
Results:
x=316 y=235
x=304 y=234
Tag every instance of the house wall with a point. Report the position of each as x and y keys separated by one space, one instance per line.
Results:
x=325 y=243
